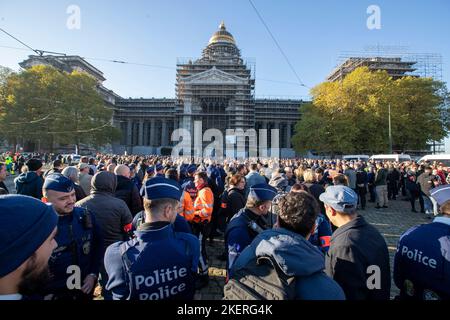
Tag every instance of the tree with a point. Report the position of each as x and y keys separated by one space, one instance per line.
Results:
x=351 y=116
x=44 y=106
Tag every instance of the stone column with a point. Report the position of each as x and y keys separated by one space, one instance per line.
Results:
x=152 y=133
x=129 y=132
x=164 y=141
x=288 y=135
x=141 y=133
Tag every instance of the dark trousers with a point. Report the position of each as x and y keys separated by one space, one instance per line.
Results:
x=373 y=195
x=361 y=191
x=412 y=199
x=216 y=221
x=202 y=231
x=392 y=190
x=103 y=280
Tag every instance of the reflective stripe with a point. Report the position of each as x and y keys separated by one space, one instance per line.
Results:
x=189 y=212
x=205 y=205
x=204 y=213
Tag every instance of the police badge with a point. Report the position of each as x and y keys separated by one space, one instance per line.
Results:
x=86 y=247
x=409 y=288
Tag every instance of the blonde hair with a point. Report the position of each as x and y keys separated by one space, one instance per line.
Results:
x=309 y=176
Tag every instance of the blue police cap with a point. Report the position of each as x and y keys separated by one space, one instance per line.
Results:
x=58 y=182
x=192 y=168
x=340 y=198
x=159 y=167
x=441 y=194
x=160 y=187
x=150 y=170
x=263 y=192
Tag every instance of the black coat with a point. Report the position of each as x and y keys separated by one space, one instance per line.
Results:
x=354 y=248
x=3 y=186
x=236 y=201
x=128 y=192
x=79 y=192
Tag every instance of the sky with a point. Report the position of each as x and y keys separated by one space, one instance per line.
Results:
x=312 y=34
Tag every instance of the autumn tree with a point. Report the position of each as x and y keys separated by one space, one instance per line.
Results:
x=351 y=116
x=43 y=105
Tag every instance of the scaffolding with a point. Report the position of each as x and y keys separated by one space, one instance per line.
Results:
x=402 y=63
x=411 y=64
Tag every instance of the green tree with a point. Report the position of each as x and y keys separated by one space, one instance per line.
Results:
x=45 y=106
x=351 y=116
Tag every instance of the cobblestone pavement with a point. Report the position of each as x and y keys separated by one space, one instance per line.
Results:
x=391 y=222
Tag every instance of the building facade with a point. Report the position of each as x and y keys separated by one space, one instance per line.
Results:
x=216 y=89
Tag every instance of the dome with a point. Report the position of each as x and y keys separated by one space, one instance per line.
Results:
x=222 y=36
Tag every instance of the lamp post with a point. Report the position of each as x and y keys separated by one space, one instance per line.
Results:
x=390 y=132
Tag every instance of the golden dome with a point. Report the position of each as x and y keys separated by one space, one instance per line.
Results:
x=222 y=35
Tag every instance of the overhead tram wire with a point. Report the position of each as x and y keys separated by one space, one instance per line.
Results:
x=41 y=53
x=149 y=65
x=278 y=45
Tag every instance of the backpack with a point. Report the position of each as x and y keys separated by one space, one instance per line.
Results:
x=260 y=279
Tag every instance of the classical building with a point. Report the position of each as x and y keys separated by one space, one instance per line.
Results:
x=394 y=66
x=216 y=89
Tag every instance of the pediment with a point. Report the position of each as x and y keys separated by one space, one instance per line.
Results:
x=214 y=76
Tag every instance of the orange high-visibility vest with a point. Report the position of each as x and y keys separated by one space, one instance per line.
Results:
x=203 y=205
x=187 y=207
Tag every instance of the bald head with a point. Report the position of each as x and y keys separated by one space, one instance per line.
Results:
x=111 y=167
x=122 y=170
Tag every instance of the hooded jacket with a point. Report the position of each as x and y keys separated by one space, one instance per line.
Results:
x=112 y=214
x=29 y=184
x=127 y=191
x=296 y=257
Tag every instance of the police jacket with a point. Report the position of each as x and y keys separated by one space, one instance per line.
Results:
x=322 y=234
x=180 y=224
x=242 y=229
x=158 y=264
x=79 y=244
x=422 y=261
x=297 y=258
x=355 y=247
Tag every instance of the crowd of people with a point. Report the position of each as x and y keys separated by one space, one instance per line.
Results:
x=138 y=226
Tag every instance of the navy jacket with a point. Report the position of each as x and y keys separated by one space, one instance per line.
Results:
x=79 y=243
x=158 y=264
x=296 y=257
x=239 y=235
x=180 y=224
x=322 y=234
x=29 y=184
x=422 y=261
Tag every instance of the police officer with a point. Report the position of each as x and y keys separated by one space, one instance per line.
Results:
x=159 y=263
x=159 y=169
x=188 y=184
x=249 y=221
x=422 y=261
x=74 y=264
x=27 y=232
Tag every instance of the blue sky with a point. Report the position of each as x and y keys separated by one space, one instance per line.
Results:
x=311 y=33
